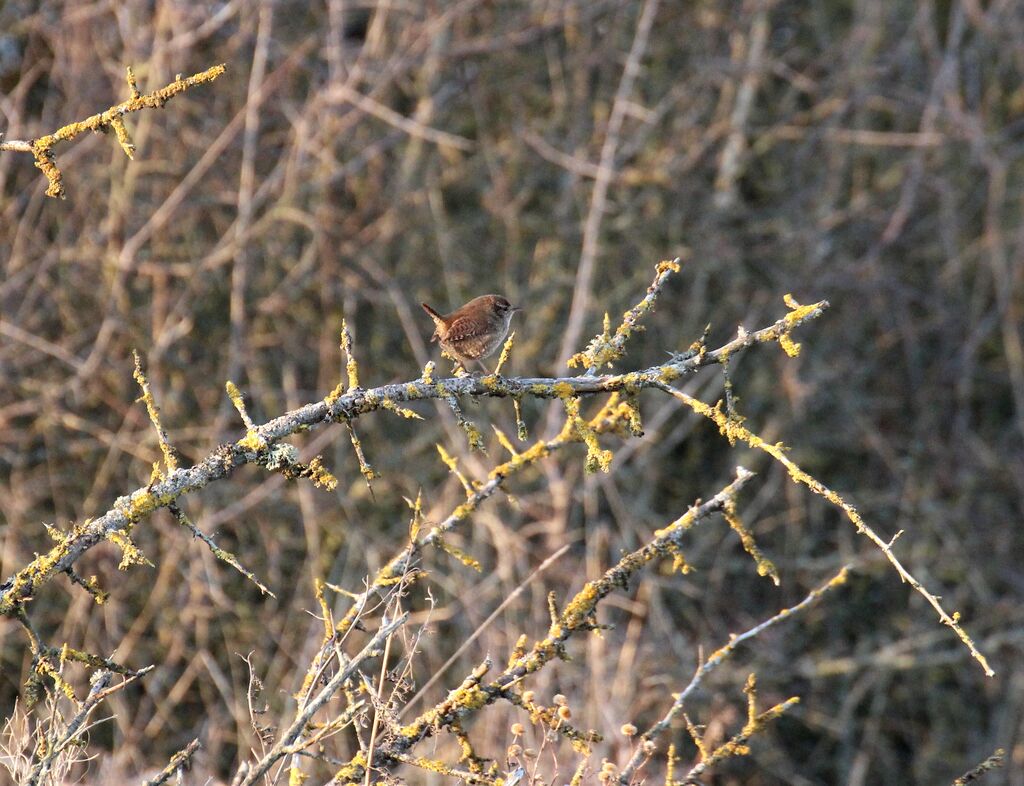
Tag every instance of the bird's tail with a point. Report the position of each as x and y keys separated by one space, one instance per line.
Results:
x=438 y=320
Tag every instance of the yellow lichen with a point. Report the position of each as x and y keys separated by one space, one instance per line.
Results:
x=462 y=511
x=367 y=471
x=599 y=352
x=439 y=767
x=391 y=406
x=296 y=777
x=417 y=518
x=765 y=567
x=563 y=390
x=111 y=118
x=239 y=403
x=521 y=431
x=535 y=452
x=581 y=606
x=351 y=771
x=492 y=383
x=476 y=439
x=506 y=350
x=351 y=368
x=631 y=382
x=123 y=138
x=453 y=465
x=796 y=315
x=504 y=441
x=321 y=476
x=789 y=346
x=597 y=458
x=466 y=559
x=140 y=503
x=252 y=441
x=154 y=414
x=335 y=394
x=734 y=430
x=130 y=553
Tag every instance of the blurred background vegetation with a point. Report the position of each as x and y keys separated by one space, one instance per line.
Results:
x=359 y=157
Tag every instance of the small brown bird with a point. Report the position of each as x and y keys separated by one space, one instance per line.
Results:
x=474 y=331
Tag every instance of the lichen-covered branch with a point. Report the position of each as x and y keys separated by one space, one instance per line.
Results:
x=258 y=446
x=401 y=566
x=737 y=745
x=642 y=751
x=993 y=762
x=607 y=347
x=175 y=765
x=733 y=429
x=71 y=733
x=290 y=740
x=578 y=615
x=42 y=147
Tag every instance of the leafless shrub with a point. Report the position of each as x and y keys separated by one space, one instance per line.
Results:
x=357 y=159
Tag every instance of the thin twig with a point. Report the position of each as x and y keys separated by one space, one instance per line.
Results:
x=483 y=625
x=290 y=736
x=715 y=660
x=177 y=762
x=733 y=429
x=98 y=691
x=605 y=172
x=577 y=616
x=995 y=761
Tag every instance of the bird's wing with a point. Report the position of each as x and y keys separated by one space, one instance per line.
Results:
x=465 y=328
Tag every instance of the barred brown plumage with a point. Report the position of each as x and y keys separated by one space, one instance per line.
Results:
x=474 y=331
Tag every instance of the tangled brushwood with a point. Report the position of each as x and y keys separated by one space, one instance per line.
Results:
x=358 y=683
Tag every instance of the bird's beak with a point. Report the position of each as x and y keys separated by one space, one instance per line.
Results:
x=517 y=308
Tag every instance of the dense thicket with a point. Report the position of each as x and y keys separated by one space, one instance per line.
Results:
x=359 y=158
